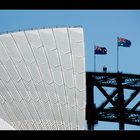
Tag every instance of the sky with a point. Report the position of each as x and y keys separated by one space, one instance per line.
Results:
x=101 y=27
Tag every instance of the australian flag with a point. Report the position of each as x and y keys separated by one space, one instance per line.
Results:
x=100 y=50
x=122 y=42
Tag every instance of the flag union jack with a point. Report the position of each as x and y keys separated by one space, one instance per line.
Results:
x=122 y=40
x=98 y=48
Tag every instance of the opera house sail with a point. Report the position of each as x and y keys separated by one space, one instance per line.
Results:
x=42 y=79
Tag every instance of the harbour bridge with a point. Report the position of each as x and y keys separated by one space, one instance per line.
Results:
x=119 y=112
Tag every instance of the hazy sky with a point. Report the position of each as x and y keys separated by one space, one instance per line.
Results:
x=101 y=27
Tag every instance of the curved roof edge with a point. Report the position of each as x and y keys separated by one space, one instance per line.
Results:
x=37 y=28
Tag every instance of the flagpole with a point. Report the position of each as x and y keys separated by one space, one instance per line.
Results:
x=94 y=60
x=117 y=55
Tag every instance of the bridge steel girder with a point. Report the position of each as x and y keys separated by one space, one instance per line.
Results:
x=119 y=112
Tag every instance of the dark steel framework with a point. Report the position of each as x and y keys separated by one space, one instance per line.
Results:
x=119 y=112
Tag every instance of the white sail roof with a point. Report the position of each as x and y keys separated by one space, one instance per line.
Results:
x=42 y=79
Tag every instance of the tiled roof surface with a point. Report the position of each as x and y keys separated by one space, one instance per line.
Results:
x=42 y=79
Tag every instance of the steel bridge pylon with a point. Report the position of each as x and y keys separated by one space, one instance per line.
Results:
x=119 y=112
